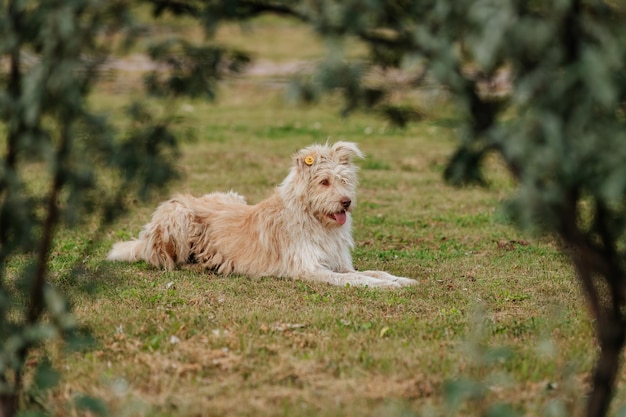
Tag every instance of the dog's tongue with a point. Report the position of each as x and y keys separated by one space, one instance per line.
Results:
x=340 y=217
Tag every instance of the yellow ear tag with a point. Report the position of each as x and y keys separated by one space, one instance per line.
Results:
x=309 y=160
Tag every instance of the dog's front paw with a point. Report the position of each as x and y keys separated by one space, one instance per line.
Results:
x=392 y=279
x=404 y=282
x=379 y=283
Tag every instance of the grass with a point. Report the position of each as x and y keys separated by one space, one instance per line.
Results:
x=493 y=307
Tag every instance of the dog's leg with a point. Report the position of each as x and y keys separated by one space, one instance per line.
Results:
x=165 y=241
x=352 y=278
x=382 y=275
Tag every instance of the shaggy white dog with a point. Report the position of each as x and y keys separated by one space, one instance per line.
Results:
x=302 y=231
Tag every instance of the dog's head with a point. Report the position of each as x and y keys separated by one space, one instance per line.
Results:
x=323 y=180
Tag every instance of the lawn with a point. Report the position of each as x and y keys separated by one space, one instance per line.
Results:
x=496 y=323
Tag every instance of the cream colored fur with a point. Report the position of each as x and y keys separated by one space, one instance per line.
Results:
x=302 y=231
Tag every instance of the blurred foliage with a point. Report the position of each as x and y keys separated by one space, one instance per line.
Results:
x=61 y=164
x=192 y=71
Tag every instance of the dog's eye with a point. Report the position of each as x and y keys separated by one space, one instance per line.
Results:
x=325 y=183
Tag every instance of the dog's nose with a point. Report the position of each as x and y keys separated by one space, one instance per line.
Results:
x=345 y=202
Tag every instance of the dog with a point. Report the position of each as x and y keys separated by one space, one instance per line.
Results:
x=303 y=231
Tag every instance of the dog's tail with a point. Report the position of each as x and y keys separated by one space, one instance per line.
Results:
x=130 y=251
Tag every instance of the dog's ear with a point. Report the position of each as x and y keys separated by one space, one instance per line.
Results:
x=346 y=151
x=305 y=158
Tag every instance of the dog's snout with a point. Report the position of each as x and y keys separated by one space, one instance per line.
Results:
x=345 y=202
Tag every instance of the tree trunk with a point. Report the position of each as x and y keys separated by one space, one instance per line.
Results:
x=8 y=405
x=602 y=280
x=611 y=335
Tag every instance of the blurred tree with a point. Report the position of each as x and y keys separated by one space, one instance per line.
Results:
x=62 y=164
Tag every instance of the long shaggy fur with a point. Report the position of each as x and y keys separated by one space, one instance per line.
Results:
x=302 y=231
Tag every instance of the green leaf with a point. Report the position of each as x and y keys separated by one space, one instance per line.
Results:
x=92 y=404
x=46 y=376
x=502 y=410
x=458 y=391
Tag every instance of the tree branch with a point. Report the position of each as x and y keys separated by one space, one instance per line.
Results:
x=36 y=303
x=591 y=263
x=251 y=8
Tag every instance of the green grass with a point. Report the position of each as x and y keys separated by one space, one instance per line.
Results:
x=492 y=305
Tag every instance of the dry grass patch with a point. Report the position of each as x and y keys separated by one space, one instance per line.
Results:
x=191 y=343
